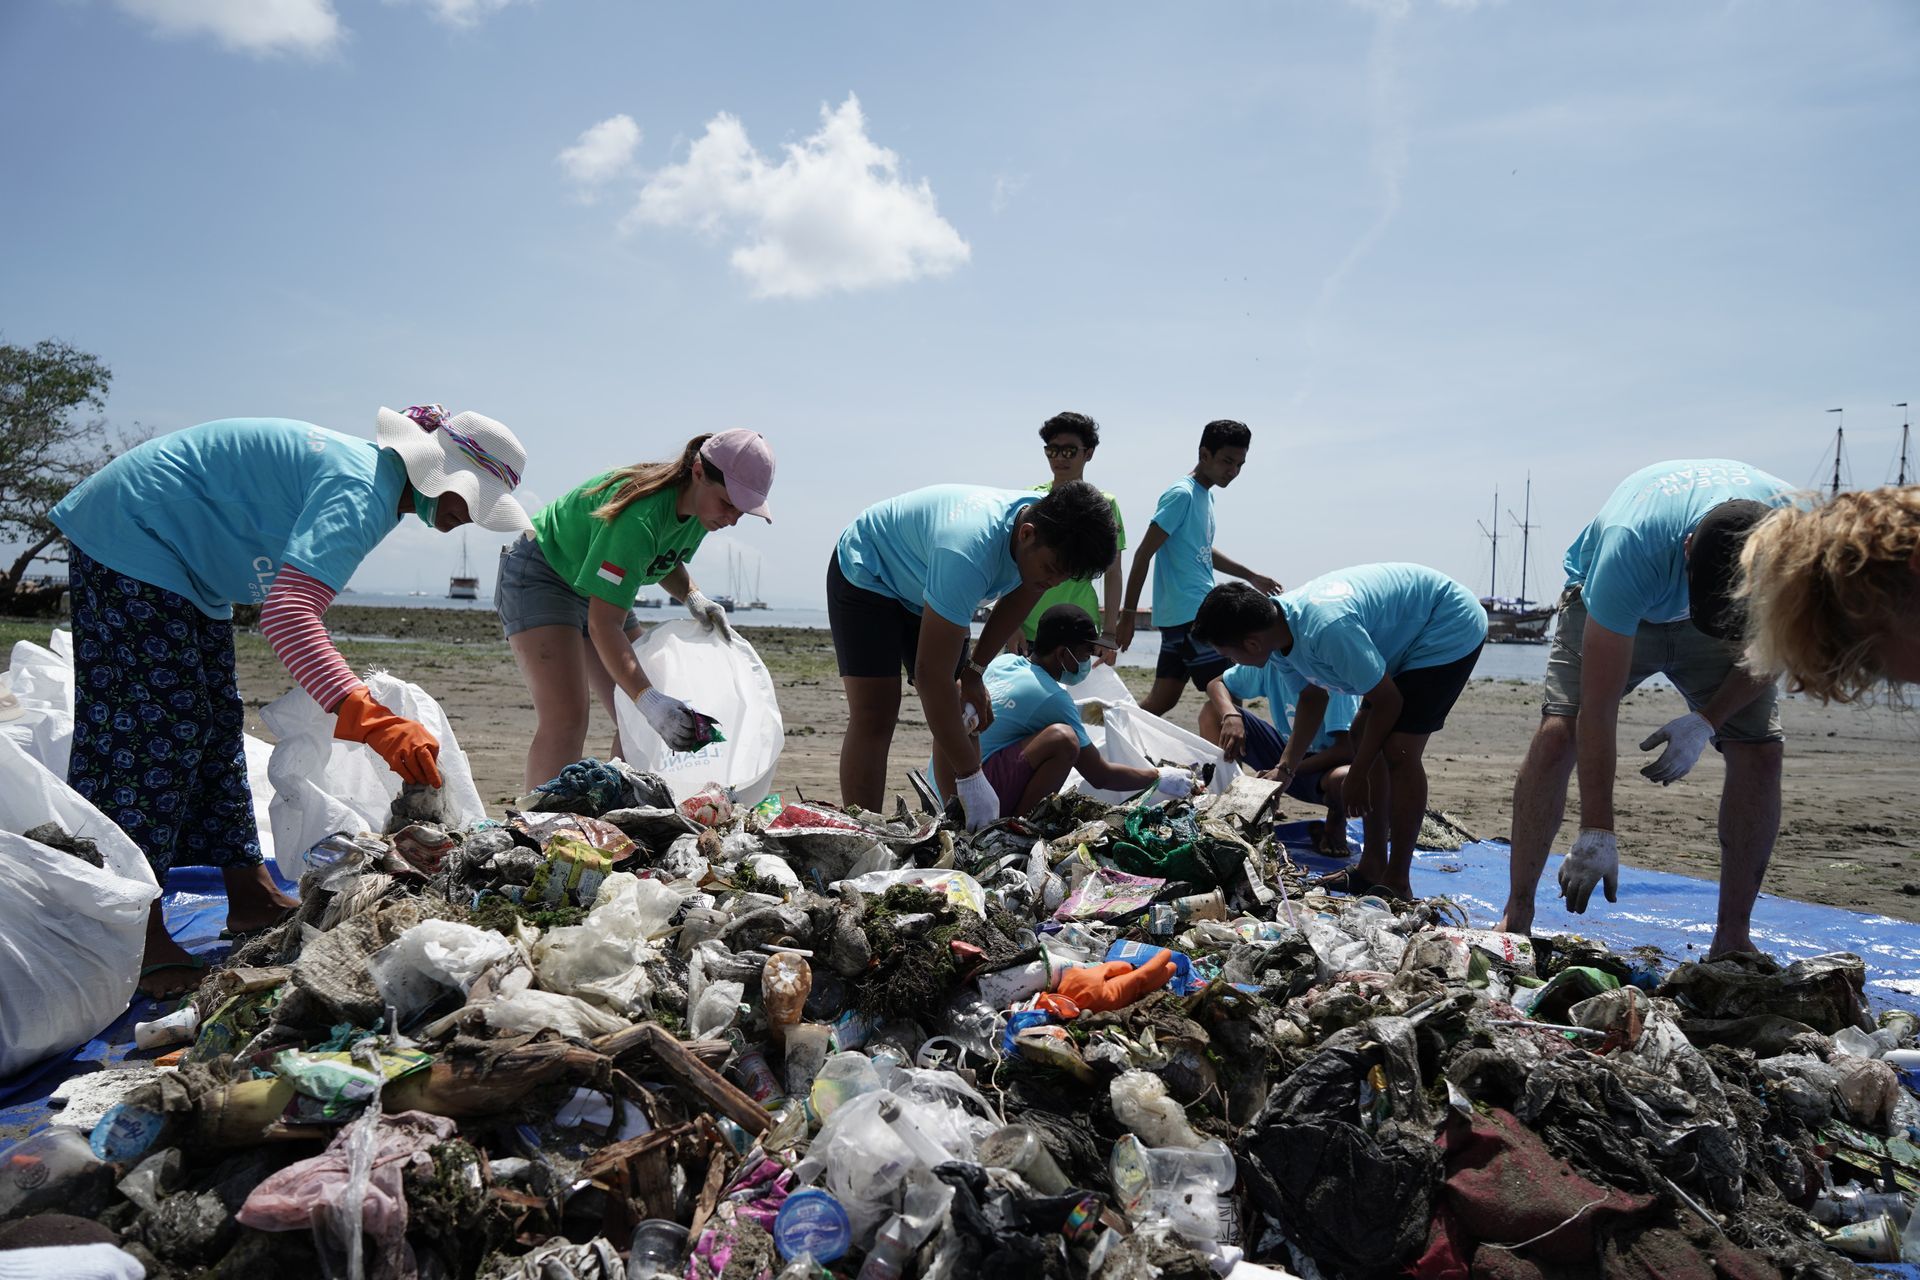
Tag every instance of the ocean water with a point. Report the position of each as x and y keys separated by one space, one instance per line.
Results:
x=1497 y=661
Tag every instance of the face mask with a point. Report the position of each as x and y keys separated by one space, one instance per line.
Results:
x=1074 y=675
x=426 y=508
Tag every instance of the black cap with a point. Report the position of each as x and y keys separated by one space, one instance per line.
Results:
x=1713 y=567
x=1064 y=624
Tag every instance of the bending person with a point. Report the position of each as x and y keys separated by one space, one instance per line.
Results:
x=566 y=589
x=1404 y=636
x=902 y=587
x=1036 y=738
x=1832 y=595
x=1649 y=585
x=166 y=539
x=1259 y=744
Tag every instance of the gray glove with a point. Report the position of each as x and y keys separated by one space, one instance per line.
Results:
x=1595 y=860
x=1686 y=738
x=675 y=721
x=979 y=799
x=708 y=614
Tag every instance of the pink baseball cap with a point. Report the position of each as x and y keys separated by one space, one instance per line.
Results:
x=746 y=460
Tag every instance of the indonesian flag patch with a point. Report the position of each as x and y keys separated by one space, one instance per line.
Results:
x=612 y=572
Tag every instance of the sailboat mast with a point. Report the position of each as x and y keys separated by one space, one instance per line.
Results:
x=1839 y=446
x=1526 y=528
x=1493 y=536
x=1905 y=429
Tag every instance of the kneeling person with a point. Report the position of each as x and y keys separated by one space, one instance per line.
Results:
x=1403 y=636
x=1036 y=738
x=1258 y=744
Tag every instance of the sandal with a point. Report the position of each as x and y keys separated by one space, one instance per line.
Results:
x=239 y=935
x=197 y=964
x=1348 y=880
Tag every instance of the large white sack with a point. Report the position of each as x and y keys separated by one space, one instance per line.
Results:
x=322 y=785
x=1142 y=739
x=721 y=678
x=41 y=677
x=71 y=934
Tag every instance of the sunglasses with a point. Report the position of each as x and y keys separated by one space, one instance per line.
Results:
x=1065 y=452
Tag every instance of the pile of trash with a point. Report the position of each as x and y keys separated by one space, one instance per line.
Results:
x=617 y=1035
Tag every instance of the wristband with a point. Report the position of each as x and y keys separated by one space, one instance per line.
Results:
x=976 y=668
x=1233 y=715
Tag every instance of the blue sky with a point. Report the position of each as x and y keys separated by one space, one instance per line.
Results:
x=1421 y=248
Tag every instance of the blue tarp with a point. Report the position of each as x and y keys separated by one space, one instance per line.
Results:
x=1659 y=909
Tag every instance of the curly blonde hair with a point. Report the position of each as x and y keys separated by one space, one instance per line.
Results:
x=1823 y=586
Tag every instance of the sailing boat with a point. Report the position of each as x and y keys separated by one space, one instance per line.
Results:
x=1516 y=619
x=463 y=586
x=757 y=602
x=730 y=601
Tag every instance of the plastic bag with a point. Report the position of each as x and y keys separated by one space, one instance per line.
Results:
x=71 y=934
x=1143 y=740
x=322 y=785
x=721 y=678
x=41 y=678
x=602 y=958
x=411 y=970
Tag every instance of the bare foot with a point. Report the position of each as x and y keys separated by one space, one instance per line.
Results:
x=1516 y=919
x=254 y=901
x=167 y=969
x=1729 y=944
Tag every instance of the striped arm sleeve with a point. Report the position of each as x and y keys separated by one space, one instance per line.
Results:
x=290 y=620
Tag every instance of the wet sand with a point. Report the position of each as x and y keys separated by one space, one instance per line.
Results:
x=1850 y=830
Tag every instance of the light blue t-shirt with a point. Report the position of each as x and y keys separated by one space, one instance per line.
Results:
x=1353 y=626
x=945 y=547
x=1025 y=700
x=212 y=512
x=1280 y=685
x=1183 y=567
x=1631 y=560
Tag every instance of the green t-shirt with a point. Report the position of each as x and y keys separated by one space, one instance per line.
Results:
x=613 y=559
x=1080 y=593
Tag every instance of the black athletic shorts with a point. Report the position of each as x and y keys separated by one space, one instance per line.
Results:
x=1183 y=657
x=1428 y=693
x=873 y=635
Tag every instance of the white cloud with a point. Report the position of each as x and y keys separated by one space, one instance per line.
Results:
x=834 y=214
x=459 y=13
x=249 y=26
x=601 y=154
x=1005 y=187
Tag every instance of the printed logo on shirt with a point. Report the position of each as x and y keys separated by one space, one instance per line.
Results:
x=663 y=564
x=612 y=572
x=1328 y=592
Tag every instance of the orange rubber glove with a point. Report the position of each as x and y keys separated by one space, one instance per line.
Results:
x=404 y=744
x=1096 y=988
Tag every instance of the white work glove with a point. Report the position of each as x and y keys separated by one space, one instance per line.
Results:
x=978 y=798
x=969 y=718
x=1686 y=738
x=1174 y=784
x=1595 y=860
x=708 y=614
x=675 y=721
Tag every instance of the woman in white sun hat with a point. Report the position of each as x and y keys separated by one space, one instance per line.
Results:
x=166 y=539
x=565 y=592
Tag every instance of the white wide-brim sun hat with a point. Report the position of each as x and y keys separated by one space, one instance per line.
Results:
x=465 y=453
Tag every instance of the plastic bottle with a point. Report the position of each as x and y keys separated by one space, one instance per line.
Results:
x=785 y=983
x=658 y=1251
x=806 y=1054
x=917 y=1140
x=176 y=1027
x=1178 y=1186
x=1019 y=1149
x=53 y=1169
x=888 y=1258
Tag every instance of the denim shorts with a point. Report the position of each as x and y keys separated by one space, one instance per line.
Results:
x=529 y=593
x=1696 y=663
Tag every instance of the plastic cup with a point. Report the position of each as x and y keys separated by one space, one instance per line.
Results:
x=658 y=1251
x=1019 y=1149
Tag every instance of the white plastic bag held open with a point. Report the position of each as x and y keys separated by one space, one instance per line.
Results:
x=71 y=934
x=322 y=785
x=720 y=678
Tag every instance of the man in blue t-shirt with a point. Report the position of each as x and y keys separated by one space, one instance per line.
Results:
x=1403 y=637
x=1179 y=546
x=1036 y=738
x=1257 y=744
x=902 y=586
x=1649 y=589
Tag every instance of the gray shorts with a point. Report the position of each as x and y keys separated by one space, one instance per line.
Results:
x=529 y=593
x=1696 y=663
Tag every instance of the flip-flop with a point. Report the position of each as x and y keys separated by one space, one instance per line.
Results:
x=1348 y=880
x=196 y=963
x=235 y=935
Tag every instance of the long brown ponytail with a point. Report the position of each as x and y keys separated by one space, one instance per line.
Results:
x=630 y=484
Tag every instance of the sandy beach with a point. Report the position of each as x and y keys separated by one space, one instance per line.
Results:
x=1850 y=830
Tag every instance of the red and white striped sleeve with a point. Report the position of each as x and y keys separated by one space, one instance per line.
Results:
x=290 y=620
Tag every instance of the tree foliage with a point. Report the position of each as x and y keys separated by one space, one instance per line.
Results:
x=52 y=437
